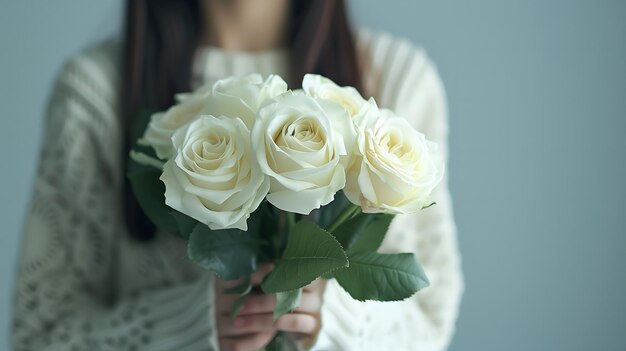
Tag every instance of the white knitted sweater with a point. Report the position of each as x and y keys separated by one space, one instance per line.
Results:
x=84 y=285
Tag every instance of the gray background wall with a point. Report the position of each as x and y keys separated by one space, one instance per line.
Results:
x=537 y=95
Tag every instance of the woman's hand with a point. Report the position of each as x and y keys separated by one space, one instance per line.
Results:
x=253 y=327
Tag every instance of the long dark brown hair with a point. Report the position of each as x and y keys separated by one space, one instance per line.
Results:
x=160 y=41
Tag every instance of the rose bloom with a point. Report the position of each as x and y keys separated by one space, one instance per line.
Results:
x=303 y=145
x=234 y=97
x=212 y=177
x=162 y=125
x=395 y=168
x=321 y=87
x=241 y=97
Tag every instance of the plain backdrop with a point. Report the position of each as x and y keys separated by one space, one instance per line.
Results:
x=537 y=95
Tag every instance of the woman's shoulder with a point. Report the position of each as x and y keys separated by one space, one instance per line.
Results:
x=381 y=43
x=93 y=74
x=83 y=107
x=397 y=72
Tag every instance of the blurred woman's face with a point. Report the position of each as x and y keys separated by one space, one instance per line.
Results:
x=246 y=25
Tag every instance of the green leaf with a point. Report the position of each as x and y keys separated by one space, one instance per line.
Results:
x=184 y=223
x=364 y=232
x=150 y=190
x=347 y=232
x=327 y=275
x=150 y=193
x=382 y=277
x=230 y=253
x=326 y=215
x=142 y=119
x=348 y=213
x=310 y=252
x=370 y=239
x=286 y=301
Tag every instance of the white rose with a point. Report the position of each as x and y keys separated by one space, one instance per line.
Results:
x=213 y=177
x=241 y=97
x=304 y=146
x=395 y=168
x=201 y=93
x=321 y=87
x=162 y=125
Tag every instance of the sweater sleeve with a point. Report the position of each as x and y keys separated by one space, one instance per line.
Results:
x=67 y=295
x=402 y=78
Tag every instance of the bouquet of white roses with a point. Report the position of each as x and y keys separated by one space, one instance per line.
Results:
x=250 y=172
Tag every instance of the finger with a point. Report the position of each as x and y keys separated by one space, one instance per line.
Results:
x=316 y=285
x=243 y=325
x=309 y=303
x=256 y=304
x=250 y=342
x=297 y=323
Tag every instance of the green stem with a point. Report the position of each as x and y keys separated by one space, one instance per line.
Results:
x=347 y=213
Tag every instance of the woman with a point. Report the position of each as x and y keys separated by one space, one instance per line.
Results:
x=94 y=275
